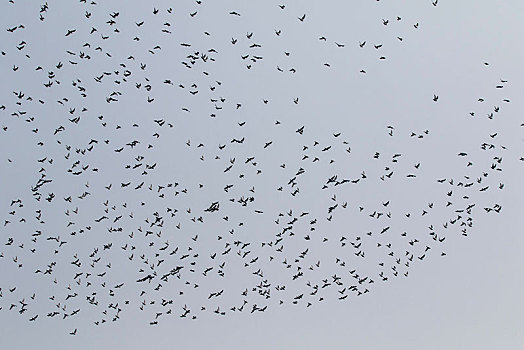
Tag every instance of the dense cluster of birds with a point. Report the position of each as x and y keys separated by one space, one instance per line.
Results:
x=135 y=185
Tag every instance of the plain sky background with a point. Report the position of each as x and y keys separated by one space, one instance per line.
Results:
x=469 y=299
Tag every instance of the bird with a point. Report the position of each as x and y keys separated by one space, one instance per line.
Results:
x=244 y=181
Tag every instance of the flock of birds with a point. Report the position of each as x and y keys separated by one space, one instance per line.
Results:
x=117 y=202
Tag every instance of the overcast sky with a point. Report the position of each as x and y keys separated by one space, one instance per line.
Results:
x=282 y=175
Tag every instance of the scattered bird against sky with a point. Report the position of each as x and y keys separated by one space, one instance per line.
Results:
x=154 y=166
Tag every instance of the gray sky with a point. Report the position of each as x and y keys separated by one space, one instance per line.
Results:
x=133 y=116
